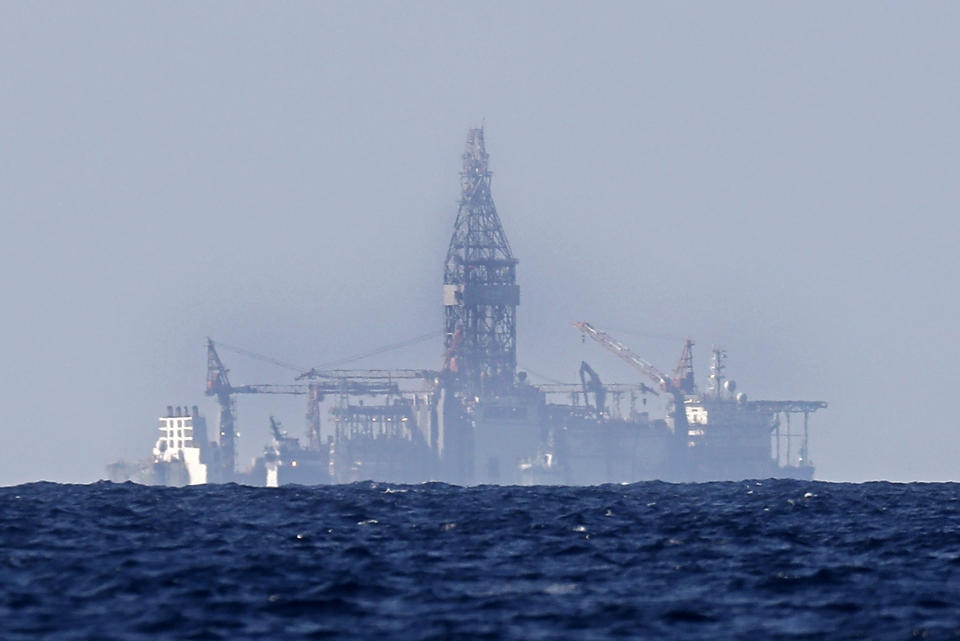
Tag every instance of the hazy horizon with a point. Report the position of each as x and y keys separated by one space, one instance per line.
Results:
x=777 y=179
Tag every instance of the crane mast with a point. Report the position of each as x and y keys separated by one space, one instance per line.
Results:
x=683 y=374
x=343 y=383
x=218 y=384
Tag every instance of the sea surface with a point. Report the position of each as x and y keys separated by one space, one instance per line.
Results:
x=747 y=560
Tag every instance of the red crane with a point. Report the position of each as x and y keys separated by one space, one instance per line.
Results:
x=678 y=385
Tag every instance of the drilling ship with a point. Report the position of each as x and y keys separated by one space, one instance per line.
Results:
x=478 y=420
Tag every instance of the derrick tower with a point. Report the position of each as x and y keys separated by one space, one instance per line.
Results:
x=480 y=292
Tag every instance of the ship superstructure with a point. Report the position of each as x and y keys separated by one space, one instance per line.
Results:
x=182 y=455
x=285 y=461
x=720 y=433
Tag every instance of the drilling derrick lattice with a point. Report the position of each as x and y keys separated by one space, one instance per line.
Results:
x=480 y=285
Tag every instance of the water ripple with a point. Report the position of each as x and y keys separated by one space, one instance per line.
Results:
x=770 y=560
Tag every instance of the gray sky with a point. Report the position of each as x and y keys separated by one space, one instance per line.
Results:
x=779 y=179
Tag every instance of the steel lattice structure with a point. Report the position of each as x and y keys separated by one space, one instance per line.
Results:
x=480 y=285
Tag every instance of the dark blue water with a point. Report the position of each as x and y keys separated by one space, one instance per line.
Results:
x=770 y=560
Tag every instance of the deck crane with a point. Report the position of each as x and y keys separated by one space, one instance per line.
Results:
x=678 y=385
x=590 y=381
x=683 y=374
x=218 y=384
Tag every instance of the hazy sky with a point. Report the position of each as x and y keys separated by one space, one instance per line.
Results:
x=776 y=178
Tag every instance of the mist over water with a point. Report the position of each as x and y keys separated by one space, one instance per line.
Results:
x=777 y=180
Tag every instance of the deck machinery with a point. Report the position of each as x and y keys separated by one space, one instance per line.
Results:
x=478 y=420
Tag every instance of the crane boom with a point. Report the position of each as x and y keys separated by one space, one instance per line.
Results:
x=344 y=386
x=676 y=387
x=217 y=379
x=626 y=354
x=592 y=385
x=372 y=383
x=368 y=374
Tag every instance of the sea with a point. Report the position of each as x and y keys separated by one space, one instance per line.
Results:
x=760 y=559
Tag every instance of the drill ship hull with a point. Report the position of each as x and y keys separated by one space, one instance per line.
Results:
x=477 y=420
x=521 y=439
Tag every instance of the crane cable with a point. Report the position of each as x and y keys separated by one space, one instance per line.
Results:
x=260 y=357
x=636 y=332
x=334 y=363
x=380 y=350
x=539 y=375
